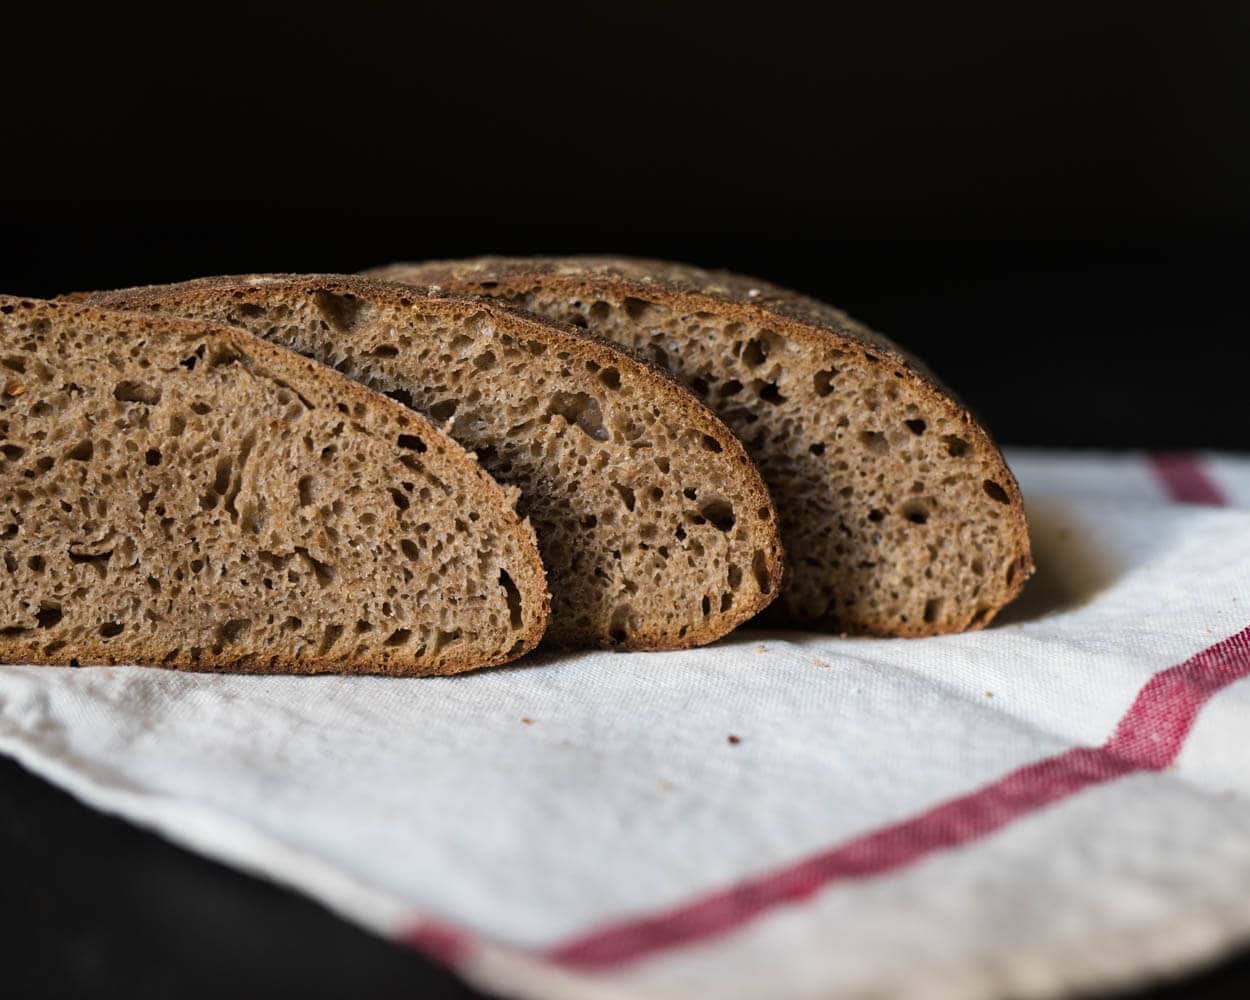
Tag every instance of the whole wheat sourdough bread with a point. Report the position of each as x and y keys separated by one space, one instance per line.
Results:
x=897 y=511
x=655 y=527
x=182 y=494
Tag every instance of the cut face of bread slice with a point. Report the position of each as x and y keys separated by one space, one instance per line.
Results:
x=181 y=494
x=897 y=511
x=656 y=529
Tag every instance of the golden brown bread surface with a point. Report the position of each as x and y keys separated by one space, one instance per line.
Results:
x=655 y=527
x=181 y=494
x=897 y=510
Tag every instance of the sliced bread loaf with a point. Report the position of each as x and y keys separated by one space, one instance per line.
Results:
x=655 y=527
x=181 y=494
x=897 y=510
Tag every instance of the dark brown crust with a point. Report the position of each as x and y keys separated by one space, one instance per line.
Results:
x=296 y=370
x=734 y=297
x=564 y=337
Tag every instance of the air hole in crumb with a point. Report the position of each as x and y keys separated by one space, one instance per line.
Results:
x=720 y=513
x=759 y=569
x=110 y=629
x=307 y=491
x=956 y=447
x=513 y=597
x=221 y=481
x=444 y=410
x=706 y=605
x=401 y=501
x=916 y=511
x=822 y=382
x=82 y=451
x=12 y=452
x=200 y=408
x=876 y=515
x=385 y=351
x=398 y=637
x=735 y=576
x=755 y=353
x=710 y=443
x=329 y=637
x=771 y=394
x=699 y=387
x=637 y=309
x=152 y=456
x=48 y=617
x=817 y=449
x=581 y=409
x=726 y=602
x=324 y=572
x=485 y=360
x=611 y=378
x=412 y=443
x=916 y=426
x=627 y=495
x=137 y=392
x=400 y=396
x=230 y=631
x=409 y=548
x=995 y=492
x=874 y=441
x=932 y=609
x=731 y=388
x=342 y=312
x=617 y=623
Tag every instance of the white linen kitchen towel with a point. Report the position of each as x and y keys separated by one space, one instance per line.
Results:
x=1058 y=803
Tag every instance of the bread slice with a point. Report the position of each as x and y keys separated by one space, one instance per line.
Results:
x=181 y=494
x=655 y=527
x=897 y=510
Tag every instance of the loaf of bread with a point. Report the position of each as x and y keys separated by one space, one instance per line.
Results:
x=655 y=527
x=897 y=511
x=180 y=494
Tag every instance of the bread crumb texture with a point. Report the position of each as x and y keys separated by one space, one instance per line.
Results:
x=898 y=513
x=184 y=495
x=654 y=525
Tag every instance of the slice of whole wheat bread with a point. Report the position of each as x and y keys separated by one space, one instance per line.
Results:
x=181 y=494
x=654 y=525
x=897 y=510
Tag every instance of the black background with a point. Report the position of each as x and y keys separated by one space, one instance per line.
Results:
x=1050 y=204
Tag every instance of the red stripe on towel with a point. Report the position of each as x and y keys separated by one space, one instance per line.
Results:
x=1147 y=738
x=1185 y=478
